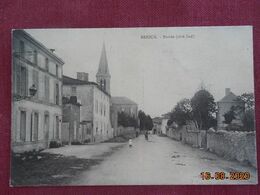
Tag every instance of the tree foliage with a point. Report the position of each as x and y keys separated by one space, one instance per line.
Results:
x=126 y=120
x=248 y=119
x=181 y=113
x=146 y=122
x=230 y=115
x=204 y=109
x=248 y=99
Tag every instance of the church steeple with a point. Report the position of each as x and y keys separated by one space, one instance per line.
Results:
x=103 y=75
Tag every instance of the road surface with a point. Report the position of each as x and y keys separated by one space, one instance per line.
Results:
x=160 y=161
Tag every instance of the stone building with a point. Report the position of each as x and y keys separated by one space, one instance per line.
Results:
x=36 y=94
x=164 y=121
x=225 y=104
x=71 y=131
x=157 y=122
x=95 y=100
x=122 y=104
x=95 y=107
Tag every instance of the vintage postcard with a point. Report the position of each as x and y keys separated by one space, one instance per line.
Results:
x=133 y=106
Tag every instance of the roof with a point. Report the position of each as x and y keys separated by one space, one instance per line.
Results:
x=122 y=100
x=103 y=65
x=71 y=81
x=38 y=44
x=157 y=119
x=166 y=115
x=231 y=97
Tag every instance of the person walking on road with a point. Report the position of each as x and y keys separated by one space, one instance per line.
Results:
x=130 y=143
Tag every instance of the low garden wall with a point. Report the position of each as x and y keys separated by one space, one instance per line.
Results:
x=195 y=138
x=233 y=145
x=126 y=131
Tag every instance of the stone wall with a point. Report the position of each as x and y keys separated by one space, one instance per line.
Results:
x=126 y=130
x=233 y=145
x=195 y=138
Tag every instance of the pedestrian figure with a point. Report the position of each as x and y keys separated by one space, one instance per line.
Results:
x=146 y=135
x=130 y=143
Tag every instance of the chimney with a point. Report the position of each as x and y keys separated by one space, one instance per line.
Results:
x=227 y=91
x=83 y=76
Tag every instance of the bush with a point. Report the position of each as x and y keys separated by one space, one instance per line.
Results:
x=76 y=143
x=87 y=140
x=55 y=144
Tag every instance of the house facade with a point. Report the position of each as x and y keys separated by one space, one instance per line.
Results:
x=36 y=118
x=122 y=104
x=94 y=110
x=225 y=104
x=71 y=131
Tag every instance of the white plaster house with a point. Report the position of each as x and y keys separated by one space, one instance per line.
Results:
x=36 y=118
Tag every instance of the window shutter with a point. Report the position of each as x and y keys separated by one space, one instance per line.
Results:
x=18 y=79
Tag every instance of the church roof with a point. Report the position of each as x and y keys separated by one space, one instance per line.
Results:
x=122 y=100
x=103 y=64
x=231 y=97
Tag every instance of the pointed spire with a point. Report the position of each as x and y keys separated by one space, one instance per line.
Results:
x=103 y=65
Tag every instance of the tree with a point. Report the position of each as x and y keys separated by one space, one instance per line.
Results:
x=204 y=109
x=126 y=120
x=248 y=119
x=230 y=115
x=181 y=113
x=142 y=119
x=146 y=121
x=248 y=99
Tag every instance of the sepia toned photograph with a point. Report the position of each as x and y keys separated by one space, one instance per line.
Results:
x=133 y=106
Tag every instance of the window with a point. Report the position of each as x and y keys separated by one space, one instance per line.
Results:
x=22 y=50
x=36 y=126
x=57 y=70
x=57 y=94
x=23 y=126
x=101 y=84
x=96 y=127
x=21 y=80
x=57 y=128
x=96 y=106
x=47 y=64
x=36 y=81
x=31 y=129
x=46 y=126
x=35 y=57
x=73 y=91
x=47 y=88
x=104 y=84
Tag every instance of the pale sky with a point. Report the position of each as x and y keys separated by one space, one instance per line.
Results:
x=157 y=73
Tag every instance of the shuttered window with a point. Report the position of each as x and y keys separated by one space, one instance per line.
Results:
x=23 y=126
x=57 y=128
x=36 y=82
x=36 y=126
x=21 y=80
x=35 y=57
x=47 y=64
x=47 y=88
x=57 y=94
